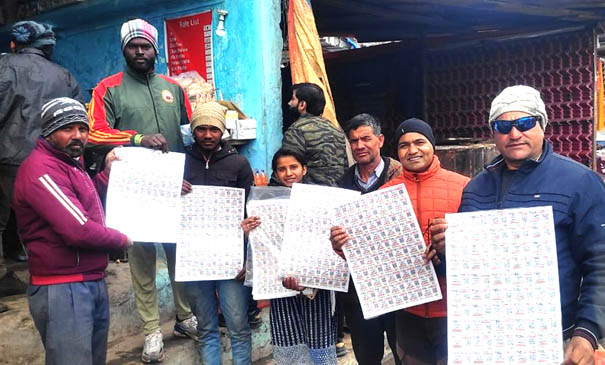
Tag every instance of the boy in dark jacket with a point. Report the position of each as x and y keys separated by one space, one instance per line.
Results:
x=210 y=161
x=61 y=221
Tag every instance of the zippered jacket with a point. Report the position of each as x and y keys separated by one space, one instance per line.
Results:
x=577 y=197
x=322 y=144
x=433 y=193
x=225 y=167
x=28 y=80
x=127 y=103
x=61 y=219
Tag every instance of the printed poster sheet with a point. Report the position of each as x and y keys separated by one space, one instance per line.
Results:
x=143 y=196
x=307 y=252
x=266 y=241
x=503 y=288
x=212 y=240
x=386 y=252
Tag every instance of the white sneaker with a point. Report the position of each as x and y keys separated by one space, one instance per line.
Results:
x=186 y=328
x=154 y=348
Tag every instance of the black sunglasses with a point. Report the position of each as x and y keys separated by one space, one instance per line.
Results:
x=522 y=124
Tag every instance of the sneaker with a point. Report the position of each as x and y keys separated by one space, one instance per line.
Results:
x=186 y=328
x=341 y=350
x=153 y=350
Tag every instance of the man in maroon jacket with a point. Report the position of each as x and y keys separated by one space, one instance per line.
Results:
x=61 y=222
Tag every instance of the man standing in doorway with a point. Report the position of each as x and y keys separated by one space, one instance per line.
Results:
x=321 y=143
x=141 y=108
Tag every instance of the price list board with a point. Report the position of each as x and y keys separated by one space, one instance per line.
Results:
x=189 y=45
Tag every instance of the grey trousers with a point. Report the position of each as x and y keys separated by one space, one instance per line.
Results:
x=73 y=321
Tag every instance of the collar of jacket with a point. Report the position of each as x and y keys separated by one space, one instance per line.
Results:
x=137 y=76
x=425 y=175
x=43 y=144
x=32 y=50
x=527 y=166
x=226 y=149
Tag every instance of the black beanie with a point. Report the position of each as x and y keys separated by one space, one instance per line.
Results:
x=60 y=112
x=415 y=125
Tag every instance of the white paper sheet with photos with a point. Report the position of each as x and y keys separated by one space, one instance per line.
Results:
x=307 y=252
x=385 y=253
x=503 y=288
x=266 y=241
x=143 y=196
x=212 y=241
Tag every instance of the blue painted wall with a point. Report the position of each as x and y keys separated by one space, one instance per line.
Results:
x=246 y=59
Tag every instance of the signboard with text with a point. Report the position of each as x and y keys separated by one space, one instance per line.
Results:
x=189 y=45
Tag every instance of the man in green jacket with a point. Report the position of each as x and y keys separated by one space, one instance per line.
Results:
x=321 y=143
x=138 y=107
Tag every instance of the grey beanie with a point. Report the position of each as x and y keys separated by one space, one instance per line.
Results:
x=518 y=98
x=60 y=112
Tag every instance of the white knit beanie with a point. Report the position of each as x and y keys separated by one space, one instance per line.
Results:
x=518 y=98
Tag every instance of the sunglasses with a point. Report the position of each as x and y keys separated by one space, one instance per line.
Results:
x=522 y=124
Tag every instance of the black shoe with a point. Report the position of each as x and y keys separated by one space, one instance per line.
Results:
x=3 y=307
x=254 y=320
x=10 y=284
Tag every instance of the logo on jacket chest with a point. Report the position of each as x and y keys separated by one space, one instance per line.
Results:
x=167 y=96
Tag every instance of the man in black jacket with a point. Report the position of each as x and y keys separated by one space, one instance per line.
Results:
x=28 y=79
x=210 y=161
x=370 y=172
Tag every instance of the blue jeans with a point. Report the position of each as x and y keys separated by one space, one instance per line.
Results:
x=73 y=321
x=233 y=299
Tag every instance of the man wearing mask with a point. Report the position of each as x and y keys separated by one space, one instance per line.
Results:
x=28 y=78
x=138 y=107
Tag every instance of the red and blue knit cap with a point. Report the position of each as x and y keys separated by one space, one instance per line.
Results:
x=415 y=125
x=138 y=28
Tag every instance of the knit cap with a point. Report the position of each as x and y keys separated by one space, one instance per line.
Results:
x=138 y=28
x=210 y=113
x=518 y=98
x=415 y=125
x=60 y=112
x=32 y=34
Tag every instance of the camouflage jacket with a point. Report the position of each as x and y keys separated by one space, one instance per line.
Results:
x=323 y=146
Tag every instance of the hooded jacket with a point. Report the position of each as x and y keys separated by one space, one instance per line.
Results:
x=577 y=196
x=28 y=80
x=61 y=219
x=127 y=103
x=433 y=193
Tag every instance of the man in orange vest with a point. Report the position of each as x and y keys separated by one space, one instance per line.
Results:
x=421 y=331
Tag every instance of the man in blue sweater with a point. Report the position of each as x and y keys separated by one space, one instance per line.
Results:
x=529 y=174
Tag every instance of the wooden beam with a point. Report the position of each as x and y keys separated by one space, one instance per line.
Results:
x=386 y=12
x=521 y=8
